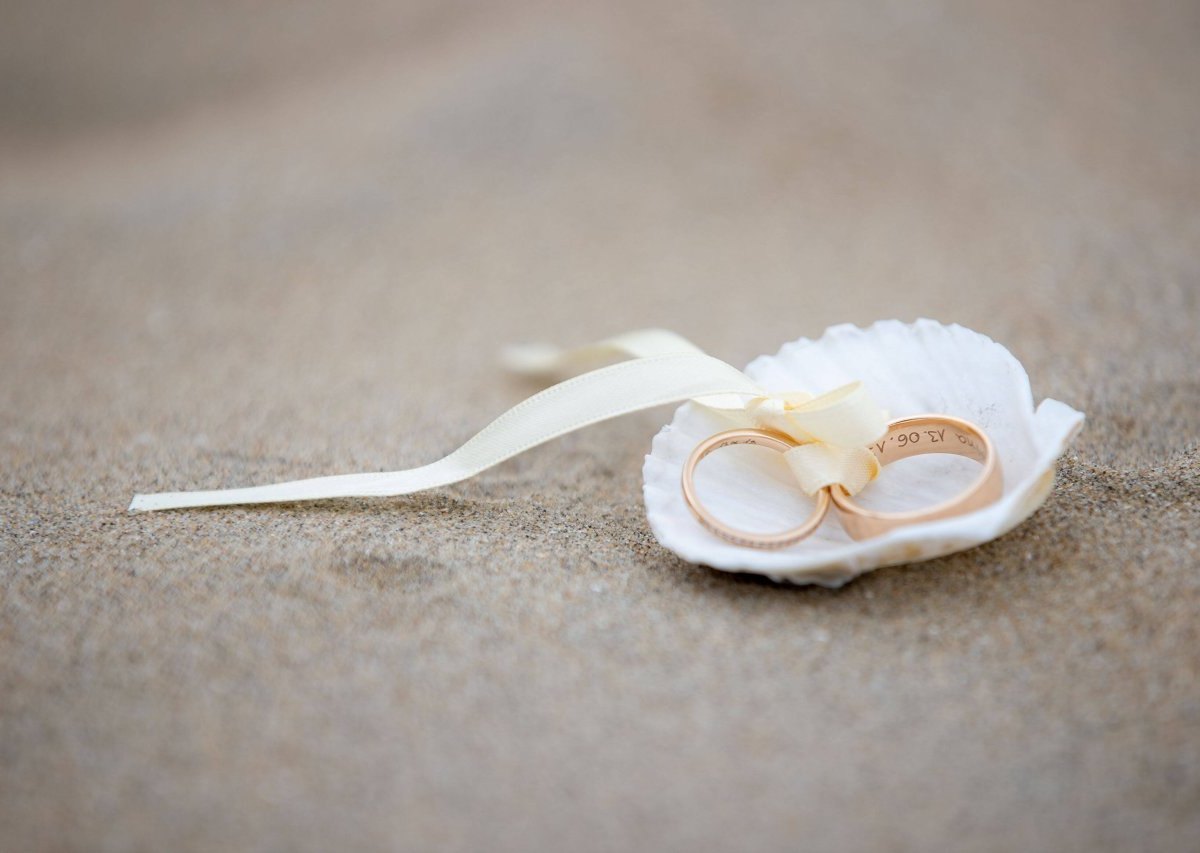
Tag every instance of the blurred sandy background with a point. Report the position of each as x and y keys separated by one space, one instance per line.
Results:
x=243 y=242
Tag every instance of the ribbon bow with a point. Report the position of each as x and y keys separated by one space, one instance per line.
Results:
x=832 y=430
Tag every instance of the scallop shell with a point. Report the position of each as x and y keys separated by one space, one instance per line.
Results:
x=917 y=368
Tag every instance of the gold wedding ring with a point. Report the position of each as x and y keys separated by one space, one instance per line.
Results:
x=757 y=438
x=913 y=436
x=917 y=436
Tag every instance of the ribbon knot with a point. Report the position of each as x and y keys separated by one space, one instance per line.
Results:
x=833 y=431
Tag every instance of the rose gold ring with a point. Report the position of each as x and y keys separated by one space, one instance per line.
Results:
x=759 y=438
x=916 y=436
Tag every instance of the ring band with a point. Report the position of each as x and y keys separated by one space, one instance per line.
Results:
x=916 y=436
x=757 y=438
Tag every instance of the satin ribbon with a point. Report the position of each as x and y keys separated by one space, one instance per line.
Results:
x=662 y=367
x=833 y=431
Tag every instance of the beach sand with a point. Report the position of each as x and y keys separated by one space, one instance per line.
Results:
x=248 y=244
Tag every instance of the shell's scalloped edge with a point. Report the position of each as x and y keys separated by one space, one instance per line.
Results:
x=1054 y=425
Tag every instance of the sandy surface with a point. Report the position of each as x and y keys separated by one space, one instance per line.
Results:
x=262 y=241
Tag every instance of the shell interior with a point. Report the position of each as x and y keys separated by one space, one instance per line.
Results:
x=916 y=368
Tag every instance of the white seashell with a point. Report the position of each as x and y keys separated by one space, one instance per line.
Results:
x=909 y=369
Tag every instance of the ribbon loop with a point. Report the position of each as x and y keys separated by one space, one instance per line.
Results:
x=845 y=416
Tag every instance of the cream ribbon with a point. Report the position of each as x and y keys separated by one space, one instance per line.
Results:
x=662 y=367
x=833 y=431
